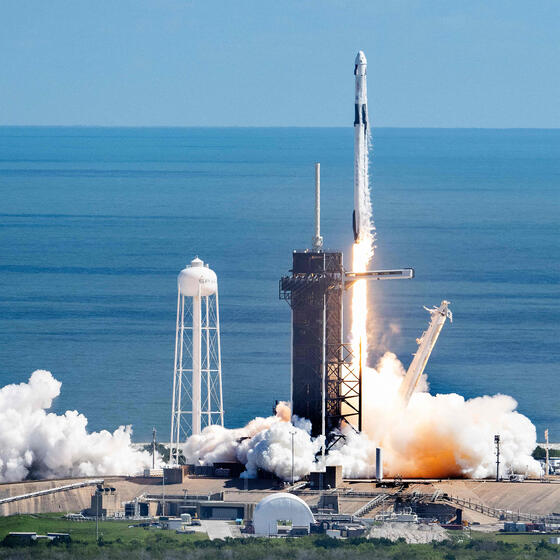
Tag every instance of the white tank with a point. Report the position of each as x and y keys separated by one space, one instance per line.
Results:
x=196 y=276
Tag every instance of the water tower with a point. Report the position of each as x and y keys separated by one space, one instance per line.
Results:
x=197 y=374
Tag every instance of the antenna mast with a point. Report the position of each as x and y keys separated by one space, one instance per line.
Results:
x=317 y=240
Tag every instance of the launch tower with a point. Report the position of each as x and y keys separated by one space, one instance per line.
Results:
x=326 y=382
x=322 y=379
x=325 y=386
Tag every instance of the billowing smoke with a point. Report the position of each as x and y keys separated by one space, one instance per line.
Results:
x=264 y=443
x=442 y=435
x=38 y=444
x=435 y=436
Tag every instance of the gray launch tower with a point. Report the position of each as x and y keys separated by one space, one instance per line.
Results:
x=324 y=388
x=322 y=379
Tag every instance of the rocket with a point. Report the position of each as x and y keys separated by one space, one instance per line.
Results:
x=361 y=194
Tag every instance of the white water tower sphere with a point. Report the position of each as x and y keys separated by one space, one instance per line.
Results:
x=197 y=277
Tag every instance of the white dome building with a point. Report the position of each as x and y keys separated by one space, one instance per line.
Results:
x=280 y=507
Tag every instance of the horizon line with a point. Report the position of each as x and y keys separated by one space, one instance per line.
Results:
x=278 y=126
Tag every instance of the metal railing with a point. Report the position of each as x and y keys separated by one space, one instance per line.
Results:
x=82 y=484
x=498 y=513
x=370 y=505
x=501 y=514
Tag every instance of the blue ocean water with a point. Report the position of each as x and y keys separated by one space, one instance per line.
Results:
x=95 y=224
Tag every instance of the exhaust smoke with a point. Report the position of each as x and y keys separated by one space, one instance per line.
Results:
x=37 y=444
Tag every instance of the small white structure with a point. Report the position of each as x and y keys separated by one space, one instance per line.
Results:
x=280 y=507
x=197 y=376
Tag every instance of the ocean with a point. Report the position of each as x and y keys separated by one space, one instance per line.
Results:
x=95 y=224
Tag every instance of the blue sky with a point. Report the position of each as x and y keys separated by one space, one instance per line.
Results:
x=279 y=62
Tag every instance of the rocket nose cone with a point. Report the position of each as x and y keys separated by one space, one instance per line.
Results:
x=361 y=58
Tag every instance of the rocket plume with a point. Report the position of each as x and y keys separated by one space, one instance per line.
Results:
x=438 y=436
x=434 y=436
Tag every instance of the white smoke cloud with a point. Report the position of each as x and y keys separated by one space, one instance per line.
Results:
x=38 y=444
x=443 y=435
x=435 y=436
x=264 y=443
x=271 y=450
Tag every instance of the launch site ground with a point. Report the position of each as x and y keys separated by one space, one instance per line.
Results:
x=483 y=502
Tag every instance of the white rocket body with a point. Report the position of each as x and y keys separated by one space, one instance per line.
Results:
x=361 y=191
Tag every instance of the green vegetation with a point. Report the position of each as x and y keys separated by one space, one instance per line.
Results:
x=83 y=532
x=120 y=541
x=540 y=453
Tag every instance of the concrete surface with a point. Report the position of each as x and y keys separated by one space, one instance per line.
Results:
x=217 y=529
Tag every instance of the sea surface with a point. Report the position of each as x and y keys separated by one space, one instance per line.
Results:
x=95 y=224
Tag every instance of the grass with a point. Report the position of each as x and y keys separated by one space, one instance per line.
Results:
x=120 y=541
x=84 y=531
x=520 y=539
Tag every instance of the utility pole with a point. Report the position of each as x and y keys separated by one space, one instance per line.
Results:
x=497 y=442
x=153 y=448
x=293 y=433
x=546 y=464
x=163 y=496
x=97 y=496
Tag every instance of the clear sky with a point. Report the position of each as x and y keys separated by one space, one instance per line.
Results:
x=432 y=63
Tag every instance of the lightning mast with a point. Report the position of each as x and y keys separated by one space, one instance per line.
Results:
x=426 y=344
